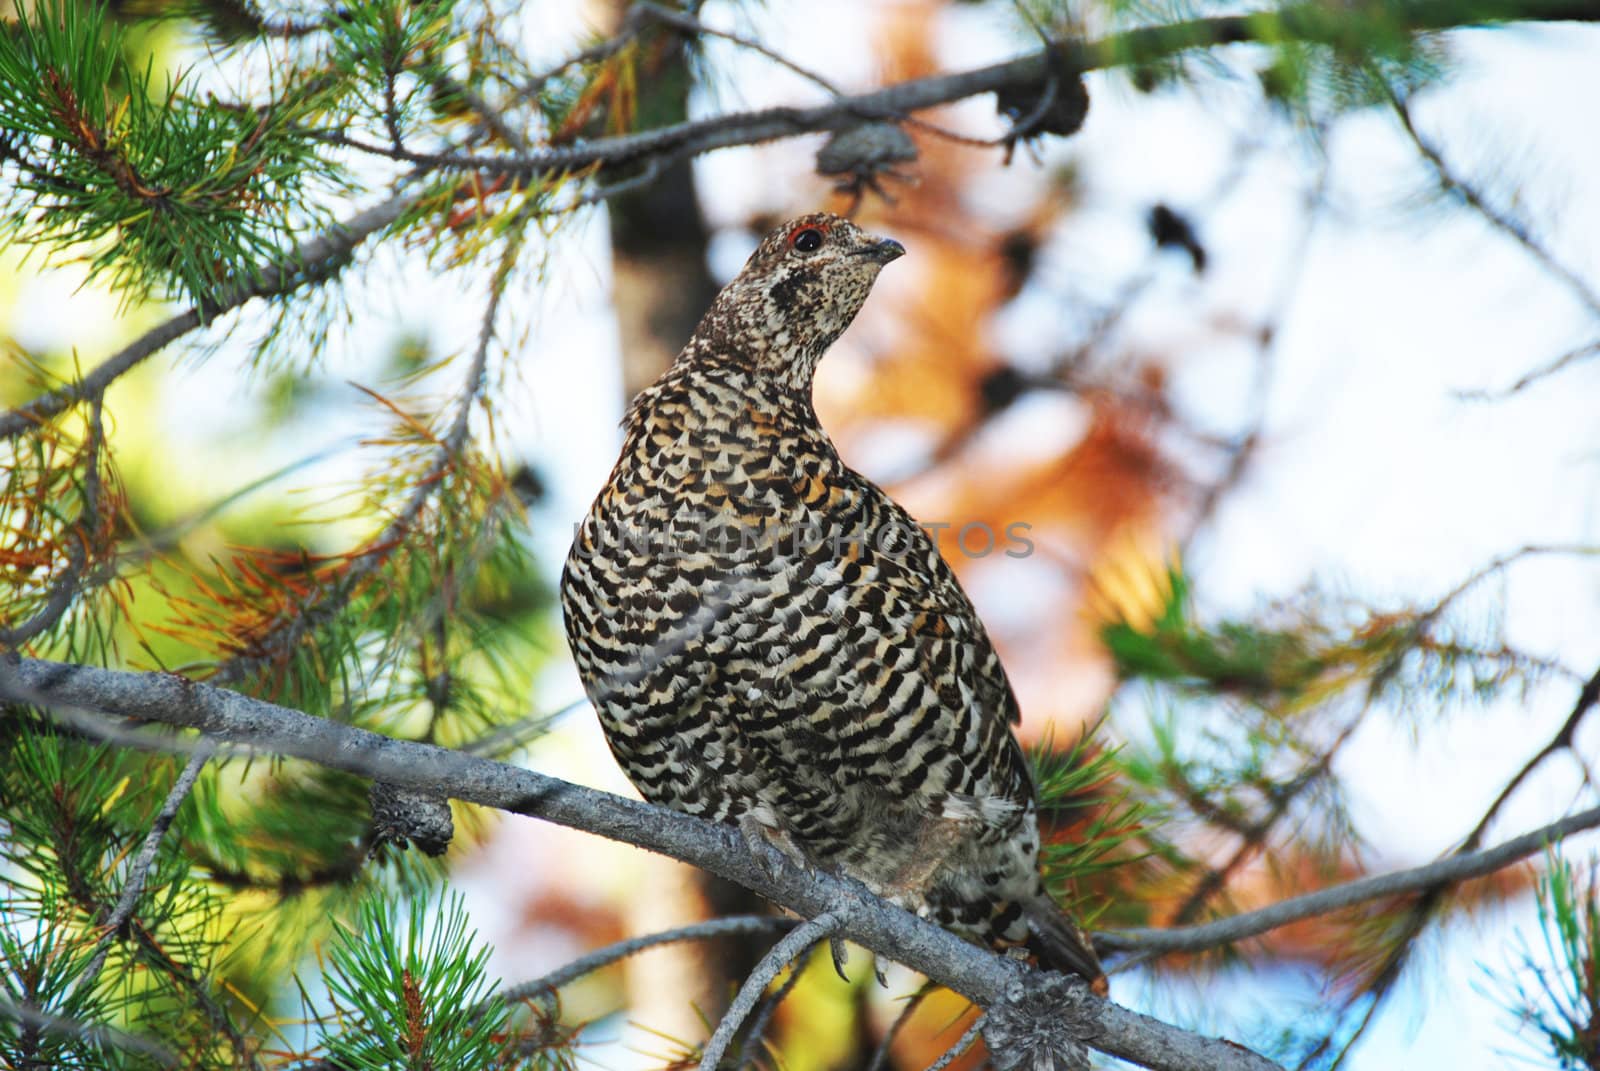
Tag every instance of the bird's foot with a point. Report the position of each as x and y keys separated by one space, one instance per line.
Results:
x=771 y=846
x=841 y=956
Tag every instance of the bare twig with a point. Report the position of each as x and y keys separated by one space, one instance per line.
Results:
x=763 y=1018
x=139 y=872
x=1588 y=696
x=1501 y=220
x=595 y=53
x=491 y=117
x=682 y=20
x=1243 y=449
x=1445 y=872
x=1528 y=379
x=795 y=944
x=734 y=926
x=880 y=1055
x=1500 y=564
x=963 y=1043
x=1511 y=227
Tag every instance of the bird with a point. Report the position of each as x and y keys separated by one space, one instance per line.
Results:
x=770 y=641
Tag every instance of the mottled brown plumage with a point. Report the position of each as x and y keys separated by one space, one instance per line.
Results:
x=770 y=640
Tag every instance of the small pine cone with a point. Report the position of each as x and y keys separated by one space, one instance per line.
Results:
x=401 y=816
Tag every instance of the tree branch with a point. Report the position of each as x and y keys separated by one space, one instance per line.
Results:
x=755 y=1037
x=1380 y=886
x=1536 y=375
x=310 y=260
x=95 y=1033
x=990 y=980
x=962 y=1044
x=1588 y=697
x=734 y=926
x=795 y=944
x=139 y=872
x=1312 y=22
x=1501 y=220
x=274 y=642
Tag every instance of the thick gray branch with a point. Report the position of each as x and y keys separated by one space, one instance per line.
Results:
x=983 y=977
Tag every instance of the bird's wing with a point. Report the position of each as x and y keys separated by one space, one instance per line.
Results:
x=934 y=704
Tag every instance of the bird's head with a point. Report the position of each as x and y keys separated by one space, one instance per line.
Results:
x=795 y=295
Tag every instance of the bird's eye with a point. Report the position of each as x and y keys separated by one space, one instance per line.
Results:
x=806 y=240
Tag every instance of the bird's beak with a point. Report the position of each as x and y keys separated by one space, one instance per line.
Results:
x=882 y=250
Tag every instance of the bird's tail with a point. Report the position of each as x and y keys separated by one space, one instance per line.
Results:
x=1060 y=945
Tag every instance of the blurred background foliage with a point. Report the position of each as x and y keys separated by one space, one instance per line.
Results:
x=318 y=501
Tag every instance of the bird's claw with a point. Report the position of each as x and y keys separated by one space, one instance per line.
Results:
x=841 y=956
x=769 y=846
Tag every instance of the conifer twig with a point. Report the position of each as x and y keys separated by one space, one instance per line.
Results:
x=1253 y=835
x=1417 y=915
x=67 y=586
x=286 y=885
x=139 y=872
x=1448 y=871
x=310 y=260
x=733 y=926
x=962 y=1044
x=763 y=1018
x=363 y=564
x=1307 y=21
x=40 y=1020
x=795 y=944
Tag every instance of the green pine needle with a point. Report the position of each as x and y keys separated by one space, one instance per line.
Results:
x=1554 y=998
x=412 y=990
x=155 y=190
x=1080 y=788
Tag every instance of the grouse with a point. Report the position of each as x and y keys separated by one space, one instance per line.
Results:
x=769 y=640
